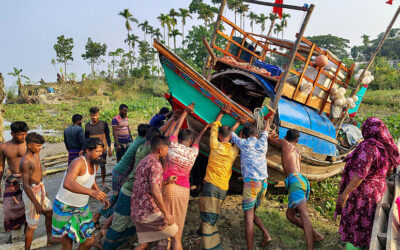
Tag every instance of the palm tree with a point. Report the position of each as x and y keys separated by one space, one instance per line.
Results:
x=278 y=29
x=113 y=54
x=17 y=74
x=261 y=19
x=285 y=16
x=207 y=15
x=366 y=40
x=163 y=18
x=234 y=5
x=253 y=17
x=272 y=17
x=145 y=26
x=174 y=33
x=150 y=31
x=243 y=8
x=184 y=13
x=170 y=22
x=131 y=40
x=128 y=18
x=173 y=14
x=156 y=33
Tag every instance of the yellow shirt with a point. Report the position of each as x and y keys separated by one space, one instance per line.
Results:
x=222 y=156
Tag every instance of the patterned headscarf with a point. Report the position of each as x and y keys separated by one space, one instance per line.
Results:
x=375 y=132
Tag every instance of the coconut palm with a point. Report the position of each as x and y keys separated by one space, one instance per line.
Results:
x=173 y=14
x=261 y=19
x=18 y=75
x=145 y=26
x=284 y=23
x=128 y=18
x=253 y=17
x=243 y=8
x=184 y=13
x=174 y=33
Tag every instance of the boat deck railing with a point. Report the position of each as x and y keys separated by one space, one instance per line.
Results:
x=246 y=48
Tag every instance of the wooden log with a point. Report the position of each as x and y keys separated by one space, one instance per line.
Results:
x=54 y=170
x=53 y=157
x=49 y=164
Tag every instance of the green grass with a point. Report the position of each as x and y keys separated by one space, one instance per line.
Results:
x=287 y=236
x=142 y=106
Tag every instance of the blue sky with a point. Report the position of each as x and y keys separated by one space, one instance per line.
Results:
x=29 y=28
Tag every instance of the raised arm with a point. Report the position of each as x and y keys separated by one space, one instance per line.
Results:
x=179 y=123
x=240 y=121
x=167 y=126
x=198 y=137
x=25 y=167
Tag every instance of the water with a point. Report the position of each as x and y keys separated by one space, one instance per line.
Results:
x=39 y=130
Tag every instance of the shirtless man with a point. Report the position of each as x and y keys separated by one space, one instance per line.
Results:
x=34 y=194
x=297 y=185
x=13 y=150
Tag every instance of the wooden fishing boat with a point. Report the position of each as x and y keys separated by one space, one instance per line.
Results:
x=241 y=77
x=385 y=232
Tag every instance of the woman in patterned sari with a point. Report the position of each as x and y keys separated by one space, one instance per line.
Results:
x=364 y=182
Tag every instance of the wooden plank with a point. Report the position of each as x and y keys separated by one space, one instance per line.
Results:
x=308 y=131
x=313 y=88
x=392 y=242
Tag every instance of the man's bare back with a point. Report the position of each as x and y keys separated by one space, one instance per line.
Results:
x=291 y=158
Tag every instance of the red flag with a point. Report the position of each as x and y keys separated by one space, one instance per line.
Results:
x=277 y=10
x=389 y=2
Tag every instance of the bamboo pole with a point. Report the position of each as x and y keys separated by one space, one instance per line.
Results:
x=274 y=102
x=359 y=81
x=206 y=72
x=2 y=97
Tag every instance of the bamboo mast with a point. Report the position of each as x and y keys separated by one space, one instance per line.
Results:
x=274 y=102
x=359 y=81
x=206 y=71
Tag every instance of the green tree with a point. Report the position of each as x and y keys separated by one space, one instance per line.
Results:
x=156 y=34
x=284 y=22
x=184 y=13
x=337 y=45
x=131 y=40
x=234 y=5
x=145 y=27
x=63 y=49
x=17 y=73
x=278 y=29
x=144 y=53
x=163 y=21
x=94 y=52
x=242 y=10
x=128 y=18
x=206 y=14
x=253 y=18
x=261 y=19
x=174 y=33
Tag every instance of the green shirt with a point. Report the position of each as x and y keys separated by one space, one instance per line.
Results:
x=142 y=151
x=124 y=166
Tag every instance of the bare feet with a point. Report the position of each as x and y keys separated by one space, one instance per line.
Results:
x=317 y=236
x=52 y=241
x=266 y=240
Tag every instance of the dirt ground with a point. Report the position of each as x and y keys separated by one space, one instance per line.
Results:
x=230 y=224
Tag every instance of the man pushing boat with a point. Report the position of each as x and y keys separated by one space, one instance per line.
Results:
x=297 y=185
